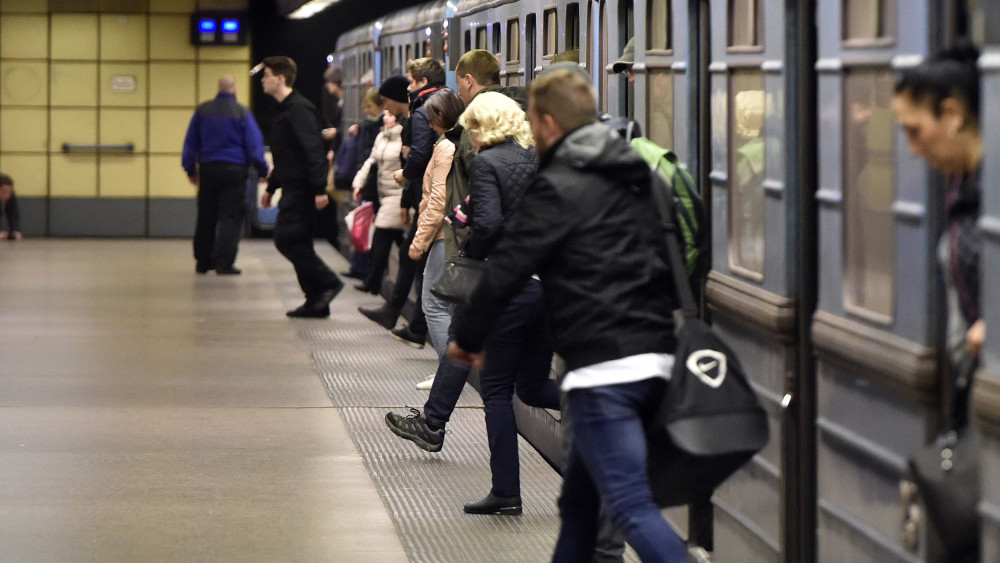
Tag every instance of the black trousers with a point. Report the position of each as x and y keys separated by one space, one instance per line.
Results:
x=293 y=237
x=222 y=204
x=410 y=272
x=382 y=241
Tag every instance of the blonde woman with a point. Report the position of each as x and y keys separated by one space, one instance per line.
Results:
x=518 y=349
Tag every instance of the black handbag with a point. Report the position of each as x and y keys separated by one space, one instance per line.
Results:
x=710 y=421
x=459 y=277
x=947 y=474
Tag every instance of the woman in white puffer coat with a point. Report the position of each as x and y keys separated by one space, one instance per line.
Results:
x=385 y=156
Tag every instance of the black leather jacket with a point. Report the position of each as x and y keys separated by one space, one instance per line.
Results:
x=589 y=227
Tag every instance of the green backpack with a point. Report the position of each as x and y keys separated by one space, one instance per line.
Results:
x=689 y=209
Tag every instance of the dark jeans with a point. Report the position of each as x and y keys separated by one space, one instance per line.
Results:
x=518 y=355
x=607 y=466
x=410 y=272
x=449 y=380
x=222 y=205
x=382 y=242
x=293 y=238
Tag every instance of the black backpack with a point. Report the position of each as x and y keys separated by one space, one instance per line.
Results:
x=710 y=421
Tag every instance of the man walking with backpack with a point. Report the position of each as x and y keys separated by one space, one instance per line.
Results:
x=589 y=227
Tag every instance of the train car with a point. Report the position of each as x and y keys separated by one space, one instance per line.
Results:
x=823 y=226
x=358 y=60
x=413 y=33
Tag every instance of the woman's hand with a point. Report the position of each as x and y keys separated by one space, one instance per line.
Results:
x=974 y=337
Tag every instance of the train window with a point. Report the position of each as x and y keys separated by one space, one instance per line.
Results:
x=746 y=173
x=745 y=23
x=549 y=32
x=409 y=55
x=869 y=190
x=426 y=48
x=496 y=38
x=602 y=61
x=481 y=37
x=866 y=20
x=658 y=33
x=513 y=40
x=661 y=107
x=572 y=26
x=468 y=42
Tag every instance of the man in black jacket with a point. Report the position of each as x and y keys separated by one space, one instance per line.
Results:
x=588 y=226
x=300 y=169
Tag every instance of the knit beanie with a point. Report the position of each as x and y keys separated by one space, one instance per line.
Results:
x=394 y=88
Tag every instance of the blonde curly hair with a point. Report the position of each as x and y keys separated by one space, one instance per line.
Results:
x=493 y=117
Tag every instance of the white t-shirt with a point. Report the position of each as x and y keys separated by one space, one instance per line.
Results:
x=623 y=370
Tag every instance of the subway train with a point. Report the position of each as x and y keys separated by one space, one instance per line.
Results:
x=823 y=229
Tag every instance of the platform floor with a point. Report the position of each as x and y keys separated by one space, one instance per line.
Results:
x=151 y=414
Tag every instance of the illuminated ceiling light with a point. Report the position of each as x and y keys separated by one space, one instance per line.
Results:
x=427 y=32
x=310 y=9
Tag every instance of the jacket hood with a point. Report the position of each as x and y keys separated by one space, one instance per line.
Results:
x=599 y=149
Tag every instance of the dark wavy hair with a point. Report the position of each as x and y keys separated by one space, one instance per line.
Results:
x=951 y=73
x=444 y=107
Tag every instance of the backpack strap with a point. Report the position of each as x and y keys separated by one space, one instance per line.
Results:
x=662 y=194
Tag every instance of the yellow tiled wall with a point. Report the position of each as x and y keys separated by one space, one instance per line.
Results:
x=109 y=79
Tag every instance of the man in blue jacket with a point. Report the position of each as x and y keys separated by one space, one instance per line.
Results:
x=222 y=141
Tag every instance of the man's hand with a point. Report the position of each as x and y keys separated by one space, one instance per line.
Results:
x=329 y=133
x=265 y=200
x=329 y=156
x=404 y=216
x=459 y=355
x=322 y=201
x=193 y=180
x=398 y=177
x=353 y=130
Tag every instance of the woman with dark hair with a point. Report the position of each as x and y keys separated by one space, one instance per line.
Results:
x=443 y=108
x=937 y=103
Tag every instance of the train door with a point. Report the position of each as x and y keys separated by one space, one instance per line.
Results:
x=530 y=47
x=757 y=292
x=878 y=322
x=986 y=393
x=661 y=73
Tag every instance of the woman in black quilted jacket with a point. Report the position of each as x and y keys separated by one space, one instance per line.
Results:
x=518 y=349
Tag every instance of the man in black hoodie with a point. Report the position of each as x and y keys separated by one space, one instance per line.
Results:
x=300 y=170
x=589 y=227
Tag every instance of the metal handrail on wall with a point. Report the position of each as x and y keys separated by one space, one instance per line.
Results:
x=129 y=147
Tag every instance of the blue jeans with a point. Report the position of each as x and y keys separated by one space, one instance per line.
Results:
x=518 y=354
x=607 y=466
x=449 y=380
x=437 y=311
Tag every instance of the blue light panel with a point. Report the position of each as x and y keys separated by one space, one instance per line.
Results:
x=206 y=26
x=230 y=26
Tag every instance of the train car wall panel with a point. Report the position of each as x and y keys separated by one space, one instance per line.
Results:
x=986 y=392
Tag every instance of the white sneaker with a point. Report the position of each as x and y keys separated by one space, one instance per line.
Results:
x=426 y=384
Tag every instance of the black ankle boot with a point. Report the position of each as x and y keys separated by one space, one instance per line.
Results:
x=510 y=506
x=385 y=315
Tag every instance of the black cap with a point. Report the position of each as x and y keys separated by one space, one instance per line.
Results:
x=394 y=88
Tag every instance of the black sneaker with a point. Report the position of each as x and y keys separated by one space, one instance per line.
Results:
x=407 y=336
x=385 y=315
x=414 y=427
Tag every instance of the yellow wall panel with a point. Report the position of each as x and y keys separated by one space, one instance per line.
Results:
x=123 y=175
x=123 y=126
x=73 y=126
x=24 y=6
x=170 y=38
x=23 y=129
x=208 y=80
x=172 y=84
x=74 y=84
x=124 y=84
x=124 y=37
x=24 y=36
x=167 y=178
x=167 y=128
x=183 y=6
x=73 y=175
x=240 y=53
x=30 y=173
x=74 y=37
x=24 y=83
